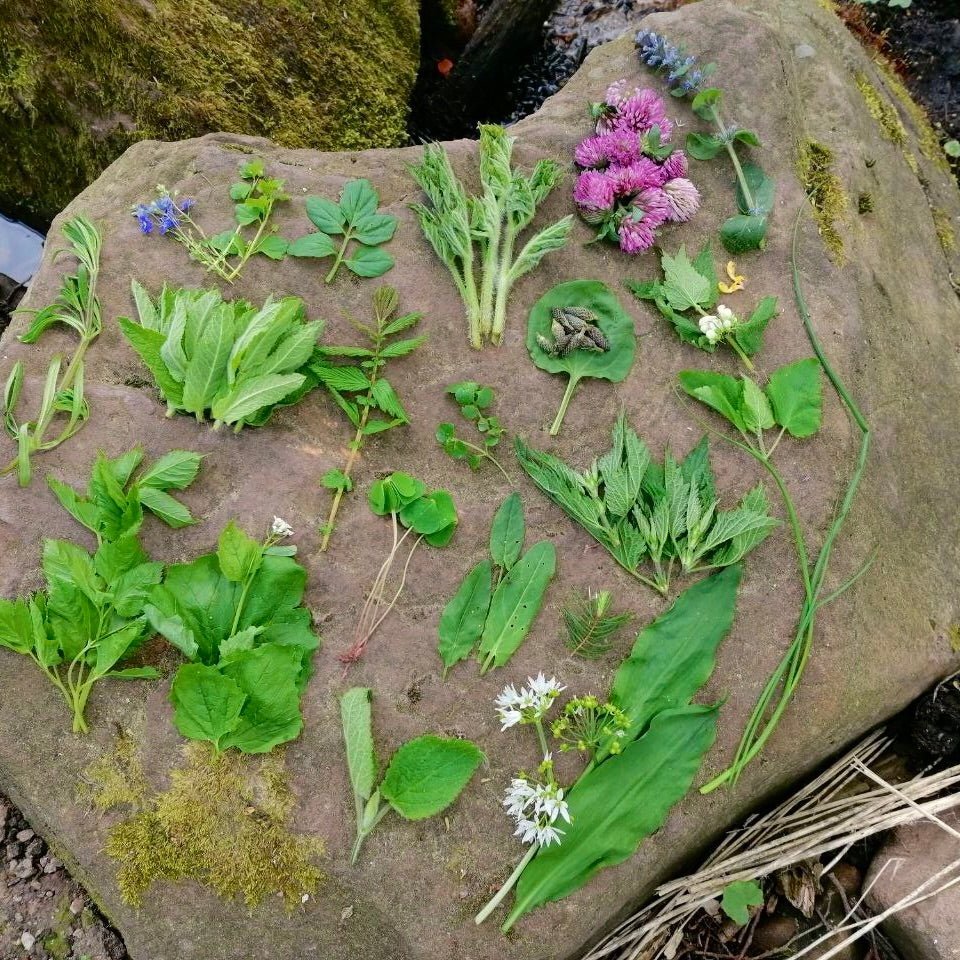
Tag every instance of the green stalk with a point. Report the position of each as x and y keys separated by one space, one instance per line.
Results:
x=504 y=283
x=339 y=258
x=564 y=403
x=734 y=159
x=474 y=314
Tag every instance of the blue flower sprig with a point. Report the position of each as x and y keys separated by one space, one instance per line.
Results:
x=746 y=230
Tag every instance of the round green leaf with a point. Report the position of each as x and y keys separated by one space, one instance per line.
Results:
x=369 y=261
x=615 y=363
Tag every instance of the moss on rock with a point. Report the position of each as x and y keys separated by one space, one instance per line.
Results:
x=815 y=166
x=80 y=80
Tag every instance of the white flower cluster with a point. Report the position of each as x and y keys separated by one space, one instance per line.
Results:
x=528 y=704
x=536 y=807
x=281 y=528
x=715 y=328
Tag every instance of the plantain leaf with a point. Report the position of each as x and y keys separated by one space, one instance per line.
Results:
x=464 y=616
x=507 y=532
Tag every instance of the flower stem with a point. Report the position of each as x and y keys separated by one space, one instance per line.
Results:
x=747 y=362
x=734 y=159
x=510 y=883
x=564 y=403
x=338 y=259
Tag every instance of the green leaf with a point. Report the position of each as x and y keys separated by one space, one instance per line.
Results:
x=312 y=245
x=206 y=703
x=16 y=626
x=737 y=899
x=427 y=774
x=515 y=605
x=148 y=344
x=247 y=213
x=342 y=378
x=617 y=804
x=393 y=493
x=754 y=407
x=172 y=512
x=400 y=348
x=742 y=233
x=508 y=532
x=674 y=655
x=375 y=229
x=175 y=470
x=386 y=399
x=336 y=480
x=718 y=391
x=762 y=190
x=748 y=137
x=274 y=247
x=703 y=146
x=796 y=395
x=358 y=737
x=431 y=514
x=749 y=334
x=463 y=618
x=325 y=215
x=238 y=554
x=253 y=395
x=358 y=199
x=206 y=371
x=684 y=286
x=369 y=261
x=706 y=102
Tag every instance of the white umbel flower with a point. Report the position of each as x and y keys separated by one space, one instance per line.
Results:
x=528 y=704
x=280 y=528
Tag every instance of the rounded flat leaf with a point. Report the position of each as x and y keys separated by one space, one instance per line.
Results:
x=369 y=261
x=613 y=364
x=375 y=229
x=206 y=703
x=325 y=215
x=312 y=245
x=393 y=493
x=427 y=774
x=445 y=432
x=703 y=146
x=430 y=514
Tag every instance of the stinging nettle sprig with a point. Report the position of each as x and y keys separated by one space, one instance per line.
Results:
x=475 y=237
x=77 y=307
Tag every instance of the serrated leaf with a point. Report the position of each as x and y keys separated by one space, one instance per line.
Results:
x=387 y=401
x=206 y=372
x=749 y=334
x=684 y=287
x=400 y=348
x=172 y=512
x=252 y=395
x=796 y=396
x=175 y=470
x=754 y=407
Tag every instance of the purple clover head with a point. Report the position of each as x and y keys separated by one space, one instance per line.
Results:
x=594 y=196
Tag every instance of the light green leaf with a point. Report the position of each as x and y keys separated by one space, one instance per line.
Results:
x=507 y=532
x=312 y=245
x=796 y=395
x=357 y=723
x=754 y=407
x=251 y=396
x=206 y=372
x=206 y=703
x=684 y=287
x=325 y=215
x=175 y=470
x=718 y=391
x=369 y=261
x=238 y=554
x=737 y=899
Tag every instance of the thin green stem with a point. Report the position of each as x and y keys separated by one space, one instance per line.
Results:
x=489 y=456
x=734 y=159
x=747 y=362
x=564 y=403
x=510 y=883
x=339 y=258
x=504 y=283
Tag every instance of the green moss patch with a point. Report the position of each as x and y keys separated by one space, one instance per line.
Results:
x=223 y=823
x=944 y=227
x=815 y=164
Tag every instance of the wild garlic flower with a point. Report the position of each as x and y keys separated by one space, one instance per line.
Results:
x=536 y=808
x=280 y=528
x=528 y=704
x=586 y=724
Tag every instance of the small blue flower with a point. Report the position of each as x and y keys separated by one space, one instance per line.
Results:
x=142 y=213
x=167 y=223
x=186 y=204
x=164 y=204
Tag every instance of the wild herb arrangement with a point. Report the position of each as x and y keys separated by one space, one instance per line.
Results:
x=590 y=627
x=667 y=516
x=424 y=776
x=352 y=226
x=475 y=237
x=632 y=181
x=579 y=328
x=91 y=616
x=642 y=747
x=358 y=386
x=237 y=615
x=688 y=297
x=77 y=307
x=473 y=400
x=431 y=516
x=223 y=360
x=747 y=229
x=494 y=608
x=225 y=254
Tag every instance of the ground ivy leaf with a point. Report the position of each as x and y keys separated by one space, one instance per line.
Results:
x=462 y=620
x=507 y=532
x=206 y=703
x=427 y=774
x=796 y=395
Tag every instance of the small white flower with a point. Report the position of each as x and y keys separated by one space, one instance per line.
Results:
x=520 y=795
x=509 y=718
x=727 y=318
x=711 y=328
x=528 y=704
x=541 y=687
x=281 y=528
x=547 y=835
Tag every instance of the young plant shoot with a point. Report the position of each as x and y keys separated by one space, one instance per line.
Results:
x=225 y=254
x=423 y=778
x=77 y=307
x=688 y=297
x=580 y=329
x=223 y=360
x=91 y=616
x=354 y=220
x=476 y=237
x=643 y=747
x=494 y=608
x=641 y=511
x=360 y=389
x=473 y=400
x=590 y=628
x=237 y=615
x=431 y=517
x=747 y=230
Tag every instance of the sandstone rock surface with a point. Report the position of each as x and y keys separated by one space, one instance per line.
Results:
x=890 y=319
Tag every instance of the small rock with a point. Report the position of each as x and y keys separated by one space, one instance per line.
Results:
x=849 y=877
x=803 y=51
x=346 y=913
x=52 y=865
x=774 y=933
x=25 y=868
x=76 y=906
x=24 y=835
x=14 y=851
x=34 y=847
x=27 y=940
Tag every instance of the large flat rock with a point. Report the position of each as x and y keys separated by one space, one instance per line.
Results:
x=890 y=320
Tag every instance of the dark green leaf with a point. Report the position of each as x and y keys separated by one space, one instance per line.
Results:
x=749 y=334
x=375 y=229
x=762 y=190
x=206 y=703
x=462 y=620
x=796 y=395
x=703 y=146
x=507 y=532
x=741 y=233
x=358 y=199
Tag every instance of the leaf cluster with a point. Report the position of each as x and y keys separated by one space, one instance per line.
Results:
x=77 y=306
x=356 y=220
x=495 y=606
x=223 y=360
x=689 y=290
x=431 y=515
x=473 y=400
x=91 y=615
x=625 y=796
x=237 y=615
x=590 y=629
x=475 y=236
x=424 y=776
x=639 y=510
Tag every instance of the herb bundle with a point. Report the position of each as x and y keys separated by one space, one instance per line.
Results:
x=360 y=388
x=746 y=230
x=473 y=400
x=424 y=776
x=225 y=254
x=492 y=611
x=644 y=747
x=641 y=511
x=475 y=237
x=354 y=219
x=237 y=615
x=77 y=307
x=431 y=516
x=580 y=329
x=91 y=616
x=223 y=360
x=687 y=296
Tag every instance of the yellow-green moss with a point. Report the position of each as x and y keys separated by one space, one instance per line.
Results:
x=82 y=79
x=223 y=823
x=825 y=189
x=944 y=227
x=116 y=779
x=883 y=112
x=865 y=202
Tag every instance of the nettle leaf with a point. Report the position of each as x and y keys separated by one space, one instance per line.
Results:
x=463 y=618
x=796 y=395
x=684 y=286
x=754 y=407
x=427 y=774
x=508 y=532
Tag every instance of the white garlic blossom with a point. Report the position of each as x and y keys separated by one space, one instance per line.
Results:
x=280 y=528
x=536 y=807
x=528 y=704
